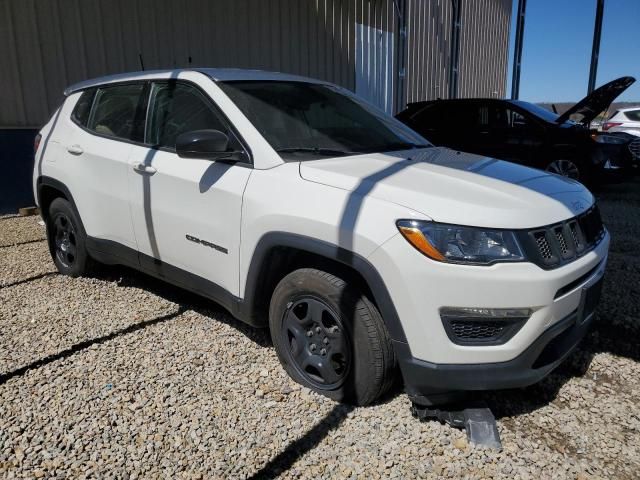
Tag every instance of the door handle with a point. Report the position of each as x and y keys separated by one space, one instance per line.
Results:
x=142 y=168
x=75 y=149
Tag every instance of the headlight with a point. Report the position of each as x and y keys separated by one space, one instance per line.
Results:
x=457 y=244
x=610 y=139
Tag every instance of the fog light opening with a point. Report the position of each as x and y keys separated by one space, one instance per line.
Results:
x=482 y=326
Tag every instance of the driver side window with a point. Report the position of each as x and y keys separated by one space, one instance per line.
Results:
x=177 y=108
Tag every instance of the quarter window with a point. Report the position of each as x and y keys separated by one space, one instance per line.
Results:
x=633 y=115
x=179 y=108
x=114 y=111
x=81 y=111
x=465 y=115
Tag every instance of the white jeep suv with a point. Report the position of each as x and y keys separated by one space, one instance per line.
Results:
x=298 y=206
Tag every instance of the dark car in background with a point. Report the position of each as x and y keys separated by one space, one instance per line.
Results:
x=526 y=133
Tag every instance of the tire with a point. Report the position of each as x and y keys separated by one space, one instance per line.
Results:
x=67 y=240
x=330 y=338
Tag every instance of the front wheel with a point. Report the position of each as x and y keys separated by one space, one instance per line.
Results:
x=330 y=338
x=567 y=168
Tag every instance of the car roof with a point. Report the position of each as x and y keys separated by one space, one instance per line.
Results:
x=457 y=100
x=216 y=74
x=627 y=109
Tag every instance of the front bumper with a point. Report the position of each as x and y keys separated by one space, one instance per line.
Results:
x=430 y=380
x=431 y=363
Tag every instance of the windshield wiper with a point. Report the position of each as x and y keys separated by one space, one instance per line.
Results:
x=316 y=151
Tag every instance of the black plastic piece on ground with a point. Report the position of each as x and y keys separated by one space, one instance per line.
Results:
x=478 y=422
x=455 y=418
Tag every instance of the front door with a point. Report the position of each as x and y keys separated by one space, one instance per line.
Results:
x=515 y=137
x=186 y=212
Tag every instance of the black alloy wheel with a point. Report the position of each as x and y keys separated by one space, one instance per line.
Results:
x=318 y=344
x=64 y=240
x=330 y=337
x=566 y=168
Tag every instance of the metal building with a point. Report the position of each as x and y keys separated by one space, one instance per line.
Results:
x=390 y=51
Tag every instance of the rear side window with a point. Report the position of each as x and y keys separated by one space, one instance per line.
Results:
x=471 y=115
x=633 y=115
x=114 y=111
x=179 y=108
x=81 y=111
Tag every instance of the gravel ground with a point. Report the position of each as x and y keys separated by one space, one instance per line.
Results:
x=121 y=376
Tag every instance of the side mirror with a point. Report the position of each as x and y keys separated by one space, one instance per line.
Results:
x=206 y=144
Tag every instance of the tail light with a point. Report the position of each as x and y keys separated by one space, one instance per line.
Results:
x=607 y=125
x=36 y=143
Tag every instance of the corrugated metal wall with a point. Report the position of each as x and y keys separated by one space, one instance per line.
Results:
x=46 y=45
x=484 y=43
x=429 y=48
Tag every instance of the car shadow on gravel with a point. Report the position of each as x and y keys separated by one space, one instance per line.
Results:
x=29 y=279
x=126 y=277
x=9 y=245
x=299 y=447
x=78 y=347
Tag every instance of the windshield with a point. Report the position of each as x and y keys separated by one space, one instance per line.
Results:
x=301 y=120
x=537 y=110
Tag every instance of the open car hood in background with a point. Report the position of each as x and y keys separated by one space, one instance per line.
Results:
x=597 y=101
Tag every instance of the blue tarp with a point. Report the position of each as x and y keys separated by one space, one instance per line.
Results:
x=16 y=166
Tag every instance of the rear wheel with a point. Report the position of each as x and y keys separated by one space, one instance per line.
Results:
x=330 y=337
x=67 y=241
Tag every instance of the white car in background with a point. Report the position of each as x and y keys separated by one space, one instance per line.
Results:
x=624 y=120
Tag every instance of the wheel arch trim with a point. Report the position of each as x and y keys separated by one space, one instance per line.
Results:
x=273 y=240
x=45 y=181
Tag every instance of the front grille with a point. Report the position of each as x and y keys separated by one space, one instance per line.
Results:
x=543 y=244
x=558 y=244
x=634 y=148
x=562 y=243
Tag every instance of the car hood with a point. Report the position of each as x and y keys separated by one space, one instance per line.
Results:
x=597 y=101
x=454 y=187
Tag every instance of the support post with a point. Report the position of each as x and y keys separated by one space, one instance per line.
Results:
x=517 y=50
x=400 y=7
x=595 y=50
x=454 y=57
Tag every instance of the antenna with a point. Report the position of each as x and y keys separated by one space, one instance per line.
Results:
x=141 y=62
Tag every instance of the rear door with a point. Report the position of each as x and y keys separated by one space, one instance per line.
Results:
x=96 y=154
x=186 y=212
